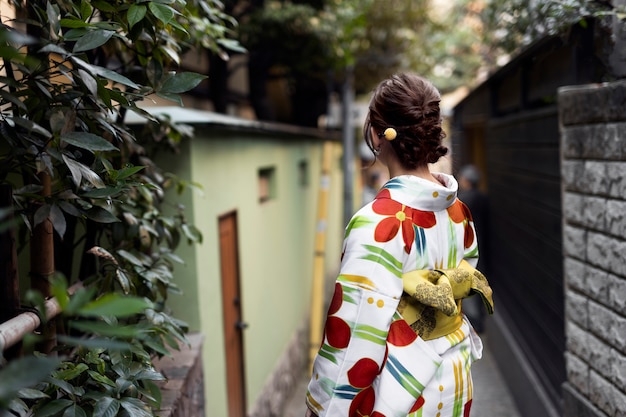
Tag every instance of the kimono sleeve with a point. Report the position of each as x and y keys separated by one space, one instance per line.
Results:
x=367 y=292
x=470 y=238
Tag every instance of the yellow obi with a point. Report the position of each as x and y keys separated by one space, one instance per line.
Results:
x=431 y=301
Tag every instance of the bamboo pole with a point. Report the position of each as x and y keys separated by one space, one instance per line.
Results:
x=13 y=331
x=317 y=292
x=42 y=264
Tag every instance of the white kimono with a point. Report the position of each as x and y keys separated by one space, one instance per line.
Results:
x=371 y=362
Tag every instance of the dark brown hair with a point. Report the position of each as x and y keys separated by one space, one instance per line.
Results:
x=409 y=104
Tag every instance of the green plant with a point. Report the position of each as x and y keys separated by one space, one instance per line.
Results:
x=510 y=25
x=69 y=73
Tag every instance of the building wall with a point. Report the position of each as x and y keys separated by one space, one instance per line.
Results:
x=276 y=248
x=593 y=141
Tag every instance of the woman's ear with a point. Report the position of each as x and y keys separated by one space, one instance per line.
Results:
x=375 y=138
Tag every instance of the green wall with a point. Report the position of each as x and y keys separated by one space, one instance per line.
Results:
x=276 y=240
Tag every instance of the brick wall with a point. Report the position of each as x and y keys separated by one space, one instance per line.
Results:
x=183 y=391
x=593 y=165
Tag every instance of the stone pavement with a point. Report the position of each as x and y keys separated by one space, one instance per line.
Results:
x=491 y=395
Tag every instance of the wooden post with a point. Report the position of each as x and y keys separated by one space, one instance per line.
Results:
x=9 y=278
x=317 y=286
x=42 y=264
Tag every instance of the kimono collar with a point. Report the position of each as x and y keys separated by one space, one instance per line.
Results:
x=420 y=193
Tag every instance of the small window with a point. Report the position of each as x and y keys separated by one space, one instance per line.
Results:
x=267 y=184
x=303 y=173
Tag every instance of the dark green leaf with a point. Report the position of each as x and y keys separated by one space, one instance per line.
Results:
x=77 y=300
x=41 y=214
x=100 y=215
x=103 y=192
x=53 y=407
x=116 y=305
x=106 y=73
x=74 y=411
x=181 y=82
x=123 y=280
x=130 y=257
x=23 y=373
x=31 y=394
x=88 y=81
x=66 y=386
x=157 y=346
x=135 y=407
x=153 y=393
x=136 y=13
x=162 y=12
x=55 y=49
x=106 y=407
x=232 y=45
x=30 y=125
x=104 y=329
x=92 y=40
x=71 y=372
x=102 y=379
x=58 y=220
x=171 y=97
x=69 y=208
x=104 y=6
x=150 y=374
x=192 y=233
x=88 y=141
x=73 y=23
x=94 y=343
x=12 y=99
x=80 y=171
x=127 y=172
x=58 y=289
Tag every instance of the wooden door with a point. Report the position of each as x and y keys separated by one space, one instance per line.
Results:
x=233 y=323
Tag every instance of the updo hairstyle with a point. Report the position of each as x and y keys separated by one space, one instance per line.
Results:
x=409 y=104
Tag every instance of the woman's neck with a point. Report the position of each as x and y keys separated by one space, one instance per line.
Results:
x=395 y=170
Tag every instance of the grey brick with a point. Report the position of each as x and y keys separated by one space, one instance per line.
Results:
x=607 y=324
x=620 y=403
x=577 y=373
x=575 y=273
x=601 y=393
x=597 y=250
x=576 y=340
x=607 y=252
x=597 y=284
x=572 y=139
x=573 y=208
x=594 y=213
x=572 y=172
x=600 y=358
x=616 y=177
x=604 y=141
x=576 y=308
x=594 y=180
x=619 y=370
x=617 y=294
x=616 y=217
x=575 y=242
x=592 y=103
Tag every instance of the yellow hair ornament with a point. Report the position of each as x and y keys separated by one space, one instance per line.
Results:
x=390 y=133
